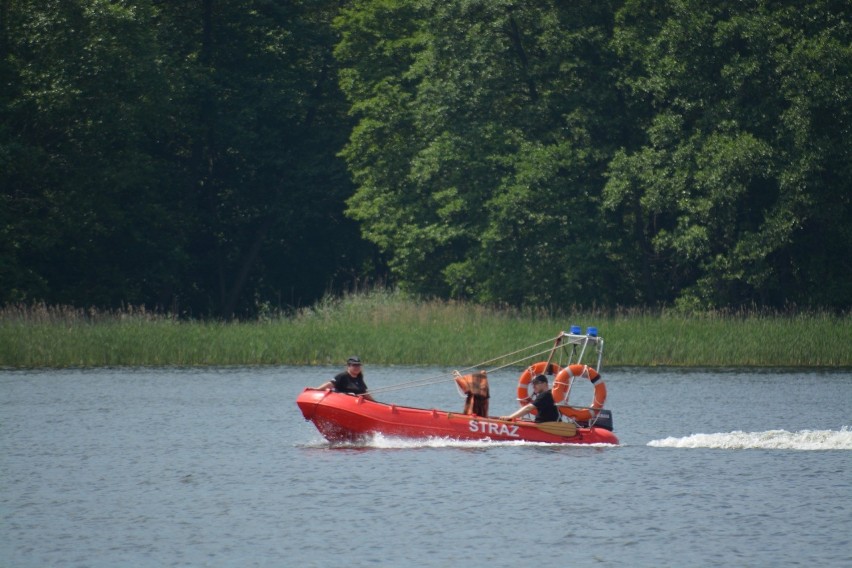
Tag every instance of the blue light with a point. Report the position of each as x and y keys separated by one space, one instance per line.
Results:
x=592 y=331
x=576 y=330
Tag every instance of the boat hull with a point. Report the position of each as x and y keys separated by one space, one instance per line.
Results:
x=345 y=418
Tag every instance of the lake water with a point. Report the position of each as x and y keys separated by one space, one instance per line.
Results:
x=216 y=467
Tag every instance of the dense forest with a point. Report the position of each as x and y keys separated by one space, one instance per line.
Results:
x=218 y=158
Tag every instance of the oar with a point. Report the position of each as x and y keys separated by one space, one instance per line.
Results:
x=566 y=429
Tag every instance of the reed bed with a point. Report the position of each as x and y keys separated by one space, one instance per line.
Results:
x=388 y=328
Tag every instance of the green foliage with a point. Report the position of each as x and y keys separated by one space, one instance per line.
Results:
x=219 y=158
x=642 y=152
x=723 y=192
x=174 y=154
x=483 y=184
x=396 y=329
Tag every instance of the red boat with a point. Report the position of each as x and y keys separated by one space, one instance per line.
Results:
x=345 y=417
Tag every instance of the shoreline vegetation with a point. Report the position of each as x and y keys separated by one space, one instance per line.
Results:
x=387 y=328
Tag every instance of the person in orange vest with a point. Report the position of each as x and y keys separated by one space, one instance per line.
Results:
x=475 y=388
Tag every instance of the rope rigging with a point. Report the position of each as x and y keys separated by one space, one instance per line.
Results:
x=437 y=379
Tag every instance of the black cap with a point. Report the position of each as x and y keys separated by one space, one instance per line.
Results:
x=540 y=379
x=353 y=360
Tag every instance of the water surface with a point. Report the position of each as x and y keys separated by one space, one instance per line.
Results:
x=216 y=467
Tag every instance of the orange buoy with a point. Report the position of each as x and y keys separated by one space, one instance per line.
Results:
x=560 y=392
x=540 y=368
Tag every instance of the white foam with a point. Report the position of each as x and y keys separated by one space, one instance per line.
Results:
x=391 y=442
x=379 y=441
x=768 y=440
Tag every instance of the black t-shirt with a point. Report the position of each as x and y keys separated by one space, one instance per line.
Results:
x=547 y=411
x=343 y=382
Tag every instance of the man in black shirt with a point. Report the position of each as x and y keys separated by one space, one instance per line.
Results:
x=350 y=381
x=542 y=403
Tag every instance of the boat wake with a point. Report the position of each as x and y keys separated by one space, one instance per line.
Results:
x=382 y=442
x=769 y=440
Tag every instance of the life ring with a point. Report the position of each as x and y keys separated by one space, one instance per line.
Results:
x=560 y=392
x=540 y=368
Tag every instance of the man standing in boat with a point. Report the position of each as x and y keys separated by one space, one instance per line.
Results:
x=350 y=381
x=542 y=403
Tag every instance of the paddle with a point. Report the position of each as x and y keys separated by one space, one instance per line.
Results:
x=566 y=429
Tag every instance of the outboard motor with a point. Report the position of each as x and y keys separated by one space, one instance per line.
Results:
x=604 y=420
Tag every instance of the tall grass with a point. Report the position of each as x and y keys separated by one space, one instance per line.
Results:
x=387 y=328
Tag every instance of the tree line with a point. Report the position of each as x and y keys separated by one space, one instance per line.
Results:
x=220 y=157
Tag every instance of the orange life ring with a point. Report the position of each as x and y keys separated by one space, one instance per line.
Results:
x=540 y=368
x=560 y=392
